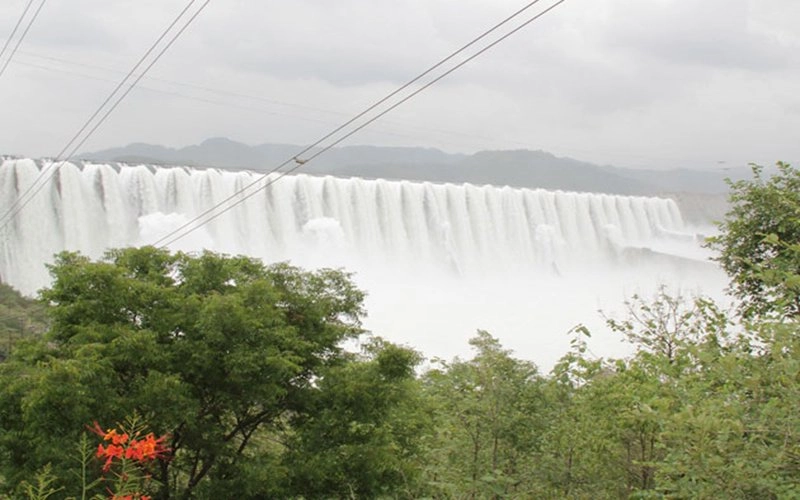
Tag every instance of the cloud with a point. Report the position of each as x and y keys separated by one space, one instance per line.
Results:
x=349 y=42
x=603 y=80
x=709 y=33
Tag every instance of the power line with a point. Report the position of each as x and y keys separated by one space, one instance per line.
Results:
x=58 y=162
x=355 y=118
x=22 y=36
x=241 y=95
x=16 y=27
x=58 y=159
x=196 y=98
x=12 y=212
x=192 y=86
x=249 y=108
x=455 y=133
x=352 y=120
x=300 y=162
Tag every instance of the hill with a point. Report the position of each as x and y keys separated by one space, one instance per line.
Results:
x=19 y=317
x=518 y=168
x=701 y=193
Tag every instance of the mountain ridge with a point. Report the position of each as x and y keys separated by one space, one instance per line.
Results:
x=516 y=168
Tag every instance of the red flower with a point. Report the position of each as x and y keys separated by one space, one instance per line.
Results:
x=97 y=429
x=109 y=435
x=111 y=452
x=124 y=446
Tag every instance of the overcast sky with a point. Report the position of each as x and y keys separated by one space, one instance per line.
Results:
x=636 y=83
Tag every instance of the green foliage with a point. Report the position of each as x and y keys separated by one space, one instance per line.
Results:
x=759 y=244
x=739 y=436
x=490 y=414
x=705 y=408
x=359 y=435
x=20 y=318
x=242 y=365
x=85 y=457
x=210 y=349
x=42 y=488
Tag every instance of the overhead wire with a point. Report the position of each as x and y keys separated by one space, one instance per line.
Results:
x=225 y=92
x=404 y=128
x=191 y=86
x=252 y=109
x=16 y=27
x=168 y=238
x=22 y=36
x=176 y=234
x=60 y=160
x=229 y=93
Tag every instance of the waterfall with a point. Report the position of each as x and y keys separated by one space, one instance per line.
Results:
x=462 y=229
x=384 y=230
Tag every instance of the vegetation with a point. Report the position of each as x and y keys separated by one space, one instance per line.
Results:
x=219 y=353
x=19 y=318
x=759 y=244
x=238 y=367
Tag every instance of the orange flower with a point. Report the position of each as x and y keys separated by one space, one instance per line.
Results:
x=115 y=438
x=145 y=449
x=111 y=452
x=108 y=435
x=97 y=429
x=122 y=445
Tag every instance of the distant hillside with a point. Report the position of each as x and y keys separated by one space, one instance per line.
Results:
x=224 y=153
x=19 y=317
x=520 y=168
x=701 y=193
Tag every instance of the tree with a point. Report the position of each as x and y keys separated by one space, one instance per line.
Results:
x=738 y=433
x=489 y=424
x=608 y=439
x=759 y=244
x=215 y=351
x=20 y=317
x=360 y=434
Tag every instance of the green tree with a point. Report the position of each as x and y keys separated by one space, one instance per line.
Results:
x=738 y=433
x=608 y=439
x=20 y=317
x=215 y=351
x=759 y=244
x=359 y=436
x=489 y=423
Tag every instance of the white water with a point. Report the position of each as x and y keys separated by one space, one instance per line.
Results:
x=438 y=261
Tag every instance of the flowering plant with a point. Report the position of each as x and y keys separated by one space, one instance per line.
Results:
x=128 y=452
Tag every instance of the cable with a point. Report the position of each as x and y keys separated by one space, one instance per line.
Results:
x=22 y=36
x=16 y=27
x=190 y=85
x=564 y=149
x=185 y=96
x=9 y=215
x=237 y=95
x=58 y=161
x=349 y=122
x=250 y=108
x=300 y=163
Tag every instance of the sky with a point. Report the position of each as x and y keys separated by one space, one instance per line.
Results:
x=633 y=83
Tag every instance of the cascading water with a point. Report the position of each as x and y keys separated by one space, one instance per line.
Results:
x=413 y=245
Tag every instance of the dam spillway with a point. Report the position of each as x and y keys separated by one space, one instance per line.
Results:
x=385 y=231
